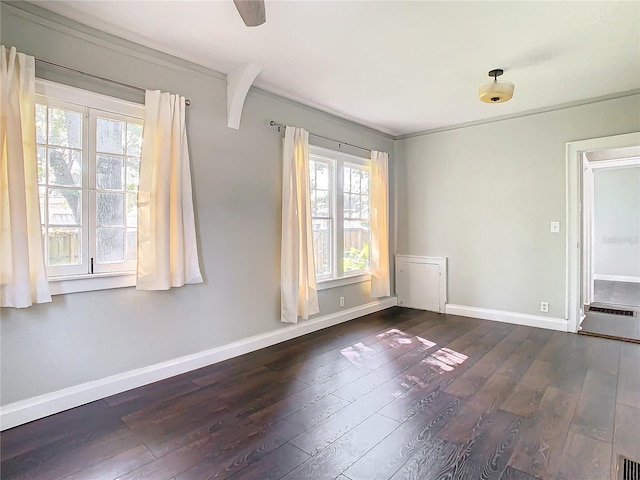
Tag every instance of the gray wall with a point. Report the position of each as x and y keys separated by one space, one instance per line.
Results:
x=484 y=196
x=617 y=221
x=237 y=188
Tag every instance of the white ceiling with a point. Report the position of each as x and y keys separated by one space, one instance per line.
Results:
x=396 y=66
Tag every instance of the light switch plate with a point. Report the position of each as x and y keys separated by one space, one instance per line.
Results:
x=555 y=227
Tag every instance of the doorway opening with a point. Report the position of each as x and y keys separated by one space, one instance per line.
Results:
x=603 y=220
x=611 y=242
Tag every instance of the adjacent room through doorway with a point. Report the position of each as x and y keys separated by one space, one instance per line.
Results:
x=611 y=223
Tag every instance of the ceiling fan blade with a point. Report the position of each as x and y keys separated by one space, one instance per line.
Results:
x=251 y=11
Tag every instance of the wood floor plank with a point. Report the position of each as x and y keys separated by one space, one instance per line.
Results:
x=539 y=451
x=526 y=395
x=519 y=361
x=332 y=428
x=629 y=381
x=115 y=466
x=51 y=429
x=439 y=369
x=499 y=442
x=70 y=456
x=626 y=437
x=486 y=400
x=418 y=433
x=603 y=354
x=425 y=463
x=338 y=456
x=585 y=458
x=473 y=378
x=571 y=370
x=246 y=446
x=273 y=466
x=513 y=474
x=595 y=412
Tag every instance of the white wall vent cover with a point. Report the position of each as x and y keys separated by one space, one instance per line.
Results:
x=421 y=282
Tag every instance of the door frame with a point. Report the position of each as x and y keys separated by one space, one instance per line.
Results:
x=574 y=294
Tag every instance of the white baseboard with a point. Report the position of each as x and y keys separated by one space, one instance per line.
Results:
x=24 y=411
x=551 y=323
x=616 y=278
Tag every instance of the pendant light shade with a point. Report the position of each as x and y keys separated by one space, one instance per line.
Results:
x=496 y=92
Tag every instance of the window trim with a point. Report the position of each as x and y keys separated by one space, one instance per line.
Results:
x=84 y=101
x=338 y=161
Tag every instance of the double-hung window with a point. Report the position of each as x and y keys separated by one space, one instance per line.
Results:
x=88 y=153
x=339 y=187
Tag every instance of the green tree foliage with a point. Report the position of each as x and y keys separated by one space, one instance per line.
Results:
x=355 y=259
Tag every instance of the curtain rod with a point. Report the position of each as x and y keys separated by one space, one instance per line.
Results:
x=280 y=125
x=187 y=102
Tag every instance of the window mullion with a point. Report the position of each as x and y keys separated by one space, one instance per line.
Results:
x=339 y=216
x=91 y=190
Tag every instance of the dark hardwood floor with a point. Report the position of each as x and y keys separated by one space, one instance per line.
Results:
x=401 y=394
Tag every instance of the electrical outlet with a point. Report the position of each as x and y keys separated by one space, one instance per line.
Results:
x=342 y=301
x=544 y=307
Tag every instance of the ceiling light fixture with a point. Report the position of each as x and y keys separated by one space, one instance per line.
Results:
x=496 y=92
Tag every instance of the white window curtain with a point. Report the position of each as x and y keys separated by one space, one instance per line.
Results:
x=167 y=248
x=299 y=297
x=23 y=277
x=380 y=279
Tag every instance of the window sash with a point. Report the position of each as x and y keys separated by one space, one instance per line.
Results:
x=69 y=98
x=82 y=267
x=124 y=266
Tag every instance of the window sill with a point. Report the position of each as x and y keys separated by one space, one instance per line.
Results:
x=340 y=282
x=89 y=283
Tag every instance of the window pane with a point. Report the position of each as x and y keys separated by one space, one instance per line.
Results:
x=353 y=202
x=110 y=245
x=134 y=139
x=322 y=176
x=364 y=181
x=65 y=206
x=133 y=173
x=109 y=172
x=65 y=128
x=322 y=246
x=110 y=209
x=110 y=136
x=347 y=179
x=132 y=245
x=357 y=239
x=365 y=206
x=65 y=167
x=64 y=246
x=132 y=210
x=321 y=204
x=41 y=123
x=312 y=175
x=42 y=194
x=355 y=181
x=42 y=165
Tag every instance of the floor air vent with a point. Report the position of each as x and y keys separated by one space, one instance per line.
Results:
x=628 y=469
x=612 y=311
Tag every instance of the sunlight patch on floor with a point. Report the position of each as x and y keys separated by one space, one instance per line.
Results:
x=445 y=359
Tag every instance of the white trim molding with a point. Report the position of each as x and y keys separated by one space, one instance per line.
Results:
x=616 y=278
x=574 y=303
x=551 y=323
x=24 y=411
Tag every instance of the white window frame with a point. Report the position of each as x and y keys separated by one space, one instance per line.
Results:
x=70 y=279
x=338 y=161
